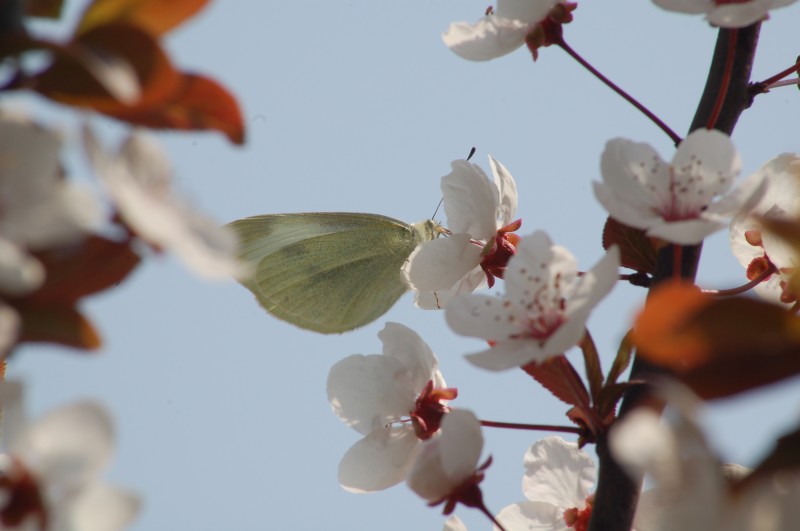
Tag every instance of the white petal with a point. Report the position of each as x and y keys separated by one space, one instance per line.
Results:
x=689 y=232
x=379 y=460
x=635 y=173
x=641 y=442
x=103 y=508
x=454 y=523
x=405 y=345
x=9 y=329
x=528 y=11
x=558 y=473
x=461 y=444
x=509 y=354
x=437 y=300
x=532 y=515
x=481 y=316
x=489 y=38
x=69 y=445
x=738 y=15
x=470 y=201
x=367 y=392
x=13 y=412
x=427 y=476
x=707 y=163
x=595 y=284
x=440 y=263
x=508 y=193
x=636 y=215
x=20 y=272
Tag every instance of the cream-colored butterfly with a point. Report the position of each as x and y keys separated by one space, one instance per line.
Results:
x=328 y=271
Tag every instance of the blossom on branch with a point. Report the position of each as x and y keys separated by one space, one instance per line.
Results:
x=395 y=400
x=558 y=481
x=480 y=217
x=675 y=201
x=49 y=468
x=726 y=13
x=507 y=27
x=139 y=180
x=545 y=308
x=446 y=469
x=758 y=250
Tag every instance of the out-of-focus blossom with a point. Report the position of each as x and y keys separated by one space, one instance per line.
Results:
x=395 y=400
x=726 y=13
x=454 y=523
x=758 y=250
x=502 y=30
x=48 y=473
x=40 y=208
x=558 y=481
x=446 y=469
x=139 y=180
x=675 y=201
x=692 y=487
x=544 y=310
x=480 y=218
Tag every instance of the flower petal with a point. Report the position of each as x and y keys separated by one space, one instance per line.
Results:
x=532 y=515
x=693 y=7
x=437 y=300
x=481 y=316
x=454 y=523
x=405 y=345
x=367 y=392
x=470 y=201
x=558 y=473
x=489 y=38
x=508 y=192
x=69 y=445
x=707 y=163
x=379 y=460
x=103 y=508
x=461 y=444
x=438 y=264
x=508 y=354
x=687 y=232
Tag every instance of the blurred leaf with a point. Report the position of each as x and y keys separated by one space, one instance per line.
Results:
x=718 y=346
x=622 y=360
x=76 y=272
x=636 y=249
x=77 y=76
x=153 y=16
x=63 y=325
x=555 y=375
x=43 y=8
x=200 y=103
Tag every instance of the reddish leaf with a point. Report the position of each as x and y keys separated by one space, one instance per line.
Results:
x=560 y=379
x=718 y=347
x=73 y=78
x=199 y=103
x=154 y=16
x=75 y=272
x=63 y=325
x=622 y=360
x=43 y=8
x=784 y=457
x=610 y=395
x=636 y=249
x=660 y=330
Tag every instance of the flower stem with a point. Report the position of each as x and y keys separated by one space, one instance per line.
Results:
x=725 y=81
x=533 y=427
x=627 y=97
x=763 y=86
x=489 y=515
x=744 y=287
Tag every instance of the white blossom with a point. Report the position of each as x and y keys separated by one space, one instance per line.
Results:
x=726 y=13
x=544 y=310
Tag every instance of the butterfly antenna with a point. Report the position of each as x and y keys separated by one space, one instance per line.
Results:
x=471 y=152
x=437 y=208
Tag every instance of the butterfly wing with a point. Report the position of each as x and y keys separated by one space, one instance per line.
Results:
x=327 y=272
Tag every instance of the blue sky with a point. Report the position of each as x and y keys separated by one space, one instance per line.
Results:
x=221 y=410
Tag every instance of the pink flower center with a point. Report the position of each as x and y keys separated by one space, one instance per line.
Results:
x=429 y=409
x=498 y=251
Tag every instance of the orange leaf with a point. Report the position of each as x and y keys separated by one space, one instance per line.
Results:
x=201 y=103
x=153 y=16
x=660 y=331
